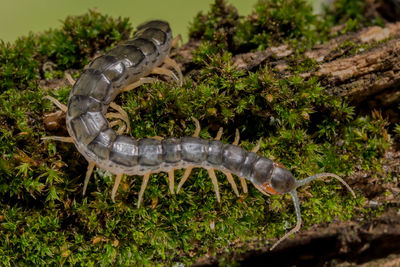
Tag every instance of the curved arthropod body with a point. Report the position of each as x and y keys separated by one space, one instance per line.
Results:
x=95 y=139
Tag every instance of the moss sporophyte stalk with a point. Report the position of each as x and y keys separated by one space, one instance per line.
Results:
x=46 y=221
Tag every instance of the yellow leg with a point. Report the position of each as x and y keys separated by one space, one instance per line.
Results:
x=138 y=83
x=115 y=187
x=167 y=72
x=232 y=182
x=70 y=79
x=56 y=102
x=121 y=126
x=257 y=147
x=65 y=139
x=146 y=178
x=87 y=177
x=214 y=180
x=116 y=123
x=176 y=40
x=219 y=134
x=184 y=178
x=237 y=138
x=63 y=109
x=124 y=115
x=121 y=114
x=198 y=128
x=122 y=130
x=171 y=178
x=156 y=137
x=172 y=63
x=115 y=115
x=244 y=185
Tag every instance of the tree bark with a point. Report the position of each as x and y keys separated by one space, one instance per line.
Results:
x=369 y=78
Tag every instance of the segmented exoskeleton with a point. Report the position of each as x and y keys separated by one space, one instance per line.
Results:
x=123 y=68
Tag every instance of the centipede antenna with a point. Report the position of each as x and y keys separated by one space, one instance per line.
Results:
x=296 y=203
x=320 y=175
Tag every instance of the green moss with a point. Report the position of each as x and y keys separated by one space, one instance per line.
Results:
x=271 y=23
x=274 y=22
x=80 y=38
x=44 y=220
x=30 y=58
x=17 y=67
x=350 y=13
x=217 y=26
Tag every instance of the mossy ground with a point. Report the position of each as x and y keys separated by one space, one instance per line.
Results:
x=44 y=218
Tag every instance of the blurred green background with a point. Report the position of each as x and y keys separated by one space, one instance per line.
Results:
x=19 y=17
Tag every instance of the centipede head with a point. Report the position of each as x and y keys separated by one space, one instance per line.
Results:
x=282 y=181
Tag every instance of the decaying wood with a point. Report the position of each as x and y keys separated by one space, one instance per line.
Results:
x=371 y=75
x=330 y=50
x=364 y=74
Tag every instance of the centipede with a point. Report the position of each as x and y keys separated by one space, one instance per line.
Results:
x=128 y=66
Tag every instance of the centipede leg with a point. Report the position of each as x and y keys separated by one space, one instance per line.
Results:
x=146 y=178
x=175 y=41
x=87 y=177
x=69 y=78
x=232 y=182
x=219 y=134
x=185 y=176
x=116 y=185
x=257 y=147
x=171 y=178
x=242 y=180
x=120 y=124
x=167 y=72
x=244 y=185
x=172 y=63
x=138 y=83
x=198 y=128
x=65 y=139
x=122 y=115
x=214 y=180
x=156 y=137
x=57 y=103
x=122 y=127
x=63 y=109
